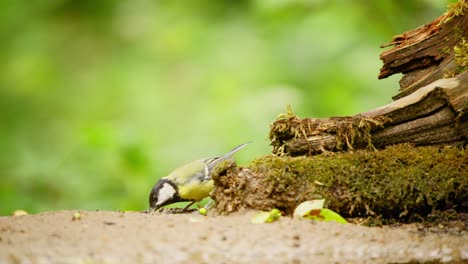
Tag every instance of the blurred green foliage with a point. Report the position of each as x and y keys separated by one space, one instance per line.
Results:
x=100 y=98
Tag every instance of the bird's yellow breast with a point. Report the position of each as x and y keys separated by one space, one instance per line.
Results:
x=196 y=190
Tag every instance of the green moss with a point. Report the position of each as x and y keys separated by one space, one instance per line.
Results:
x=285 y=127
x=445 y=51
x=454 y=10
x=458 y=8
x=401 y=182
x=461 y=55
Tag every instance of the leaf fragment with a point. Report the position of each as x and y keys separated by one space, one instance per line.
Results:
x=313 y=210
x=266 y=217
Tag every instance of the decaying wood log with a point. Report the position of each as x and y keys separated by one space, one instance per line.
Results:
x=427 y=54
x=433 y=115
x=429 y=110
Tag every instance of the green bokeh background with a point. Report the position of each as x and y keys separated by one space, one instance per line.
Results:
x=98 y=99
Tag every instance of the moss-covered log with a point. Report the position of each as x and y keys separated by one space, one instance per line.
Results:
x=400 y=182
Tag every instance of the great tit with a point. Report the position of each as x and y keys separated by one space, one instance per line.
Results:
x=190 y=183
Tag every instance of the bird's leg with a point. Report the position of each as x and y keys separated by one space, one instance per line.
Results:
x=188 y=206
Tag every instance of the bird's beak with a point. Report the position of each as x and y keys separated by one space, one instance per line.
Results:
x=154 y=209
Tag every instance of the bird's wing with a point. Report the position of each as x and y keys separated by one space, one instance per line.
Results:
x=200 y=170
x=192 y=171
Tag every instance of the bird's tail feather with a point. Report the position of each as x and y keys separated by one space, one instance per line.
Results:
x=214 y=161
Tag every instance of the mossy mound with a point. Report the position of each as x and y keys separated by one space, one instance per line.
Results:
x=401 y=182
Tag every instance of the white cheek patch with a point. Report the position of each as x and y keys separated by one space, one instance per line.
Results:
x=165 y=193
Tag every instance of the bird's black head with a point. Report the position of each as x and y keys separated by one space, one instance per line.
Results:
x=163 y=193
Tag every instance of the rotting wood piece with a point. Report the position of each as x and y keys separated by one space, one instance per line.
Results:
x=427 y=53
x=434 y=114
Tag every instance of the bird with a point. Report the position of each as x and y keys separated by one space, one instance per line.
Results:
x=189 y=183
